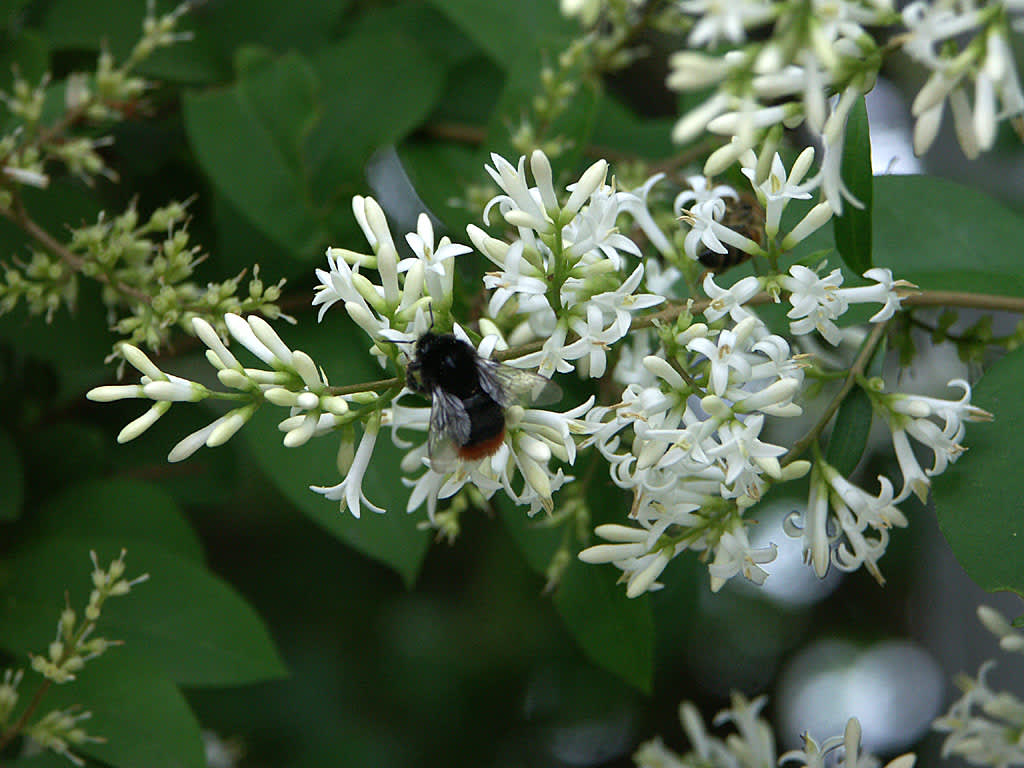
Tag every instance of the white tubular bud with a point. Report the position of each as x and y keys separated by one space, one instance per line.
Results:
x=176 y=391
x=301 y=434
x=135 y=428
x=229 y=377
x=542 y=175
x=228 y=426
x=211 y=339
x=112 y=393
x=306 y=368
x=137 y=359
x=308 y=401
x=243 y=334
x=281 y=397
x=609 y=553
x=589 y=182
x=621 y=533
x=644 y=580
x=265 y=333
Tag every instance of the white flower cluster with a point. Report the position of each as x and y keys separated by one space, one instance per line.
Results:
x=820 y=48
x=961 y=41
x=563 y=271
x=984 y=724
x=687 y=433
x=291 y=380
x=754 y=745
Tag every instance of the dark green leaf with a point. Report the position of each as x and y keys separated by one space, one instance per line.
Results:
x=141 y=714
x=850 y=431
x=615 y=632
x=129 y=510
x=183 y=620
x=23 y=52
x=931 y=236
x=218 y=28
x=381 y=85
x=249 y=140
x=505 y=30
x=12 y=479
x=853 y=228
x=978 y=499
x=617 y=127
x=392 y=537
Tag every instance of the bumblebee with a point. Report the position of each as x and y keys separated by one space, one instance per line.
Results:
x=746 y=216
x=469 y=395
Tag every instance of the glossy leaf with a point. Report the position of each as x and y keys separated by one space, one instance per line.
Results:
x=377 y=88
x=849 y=436
x=505 y=30
x=119 y=508
x=392 y=537
x=183 y=620
x=218 y=29
x=978 y=499
x=853 y=228
x=615 y=632
x=248 y=138
x=12 y=479
x=142 y=715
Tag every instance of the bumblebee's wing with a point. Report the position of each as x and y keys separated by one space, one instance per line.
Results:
x=507 y=385
x=449 y=428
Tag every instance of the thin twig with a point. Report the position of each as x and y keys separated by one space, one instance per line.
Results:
x=857 y=369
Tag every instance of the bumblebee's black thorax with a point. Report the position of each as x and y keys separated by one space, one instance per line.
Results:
x=444 y=361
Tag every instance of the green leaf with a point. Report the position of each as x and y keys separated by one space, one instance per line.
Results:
x=853 y=228
x=391 y=538
x=615 y=632
x=505 y=30
x=183 y=620
x=141 y=714
x=849 y=434
x=23 y=52
x=931 y=236
x=382 y=85
x=978 y=499
x=852 y=426
x=287 y=144
x=218 y=30
x=119 y=508
x=249 y=138
x=12 y=479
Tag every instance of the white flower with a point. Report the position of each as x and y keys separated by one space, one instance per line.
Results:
x=521 y=205
x=733 y=555
x=729 y=301
x=725 y=19
x=422 y=244
x=701 y=191
x=778 y=189
x=727 y=354
x=909 y=416
x=815 y=300
x=635 y=204
x=623 y=301
x=707 y=229
x=884 y=292
x=350 y=490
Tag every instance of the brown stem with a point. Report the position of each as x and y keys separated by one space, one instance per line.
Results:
x=21 y=218
x=857 y=369
x=7 y=736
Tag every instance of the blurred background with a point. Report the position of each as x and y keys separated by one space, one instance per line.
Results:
x=439 y=655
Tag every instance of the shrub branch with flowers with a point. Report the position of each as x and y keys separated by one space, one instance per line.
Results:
x=707 y=362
